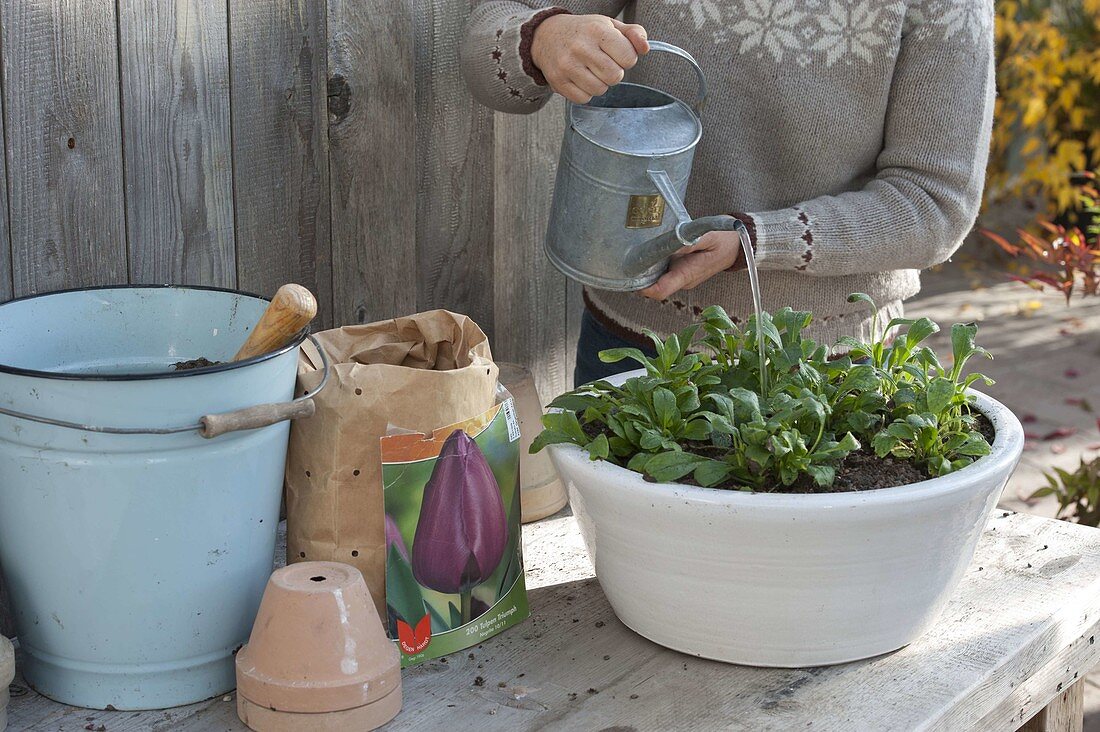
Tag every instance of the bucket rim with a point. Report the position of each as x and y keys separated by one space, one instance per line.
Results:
x=294 y=343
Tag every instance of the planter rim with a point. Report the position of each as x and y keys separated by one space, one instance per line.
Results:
x=1006 y=449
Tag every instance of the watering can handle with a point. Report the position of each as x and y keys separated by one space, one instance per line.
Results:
x=701 y=94
x=212 y=425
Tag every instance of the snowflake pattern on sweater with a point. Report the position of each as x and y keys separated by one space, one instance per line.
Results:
x=829 y=31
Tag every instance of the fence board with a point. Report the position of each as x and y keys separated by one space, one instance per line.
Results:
x=372 y=119
x=528 y=289
x=280 y=152
x=5 y=243
x=175 y=117
x=64 y=149
x=454 y=202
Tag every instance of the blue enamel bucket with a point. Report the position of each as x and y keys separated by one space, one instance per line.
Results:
x=136 y=536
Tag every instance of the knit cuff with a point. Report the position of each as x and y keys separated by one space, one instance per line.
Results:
x=783 y=239
x=527 y=37
x=741 y=263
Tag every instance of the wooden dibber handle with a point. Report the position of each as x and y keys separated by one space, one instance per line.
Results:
x=290 y=310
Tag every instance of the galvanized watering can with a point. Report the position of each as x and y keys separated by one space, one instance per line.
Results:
x=625 y=159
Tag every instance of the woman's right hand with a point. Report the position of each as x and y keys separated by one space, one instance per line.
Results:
x=582 y=55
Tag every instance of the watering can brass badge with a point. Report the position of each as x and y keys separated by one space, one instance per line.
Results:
x=618 y=211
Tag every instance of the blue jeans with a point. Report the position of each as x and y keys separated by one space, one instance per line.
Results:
x=593 y=339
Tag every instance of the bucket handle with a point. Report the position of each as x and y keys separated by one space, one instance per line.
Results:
x=211 y=425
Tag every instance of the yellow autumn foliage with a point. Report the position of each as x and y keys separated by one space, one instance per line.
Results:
x=1047 y=124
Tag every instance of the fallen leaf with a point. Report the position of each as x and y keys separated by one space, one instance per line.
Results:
x=1060 y=433
x=1093 y=446
x=1028 y=446
x=1079 y=402
x=1029 y=418
x=1057 y=448
x=1072 y=373
x=1032 y=436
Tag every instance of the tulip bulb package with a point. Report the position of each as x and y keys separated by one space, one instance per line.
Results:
x=454 y=558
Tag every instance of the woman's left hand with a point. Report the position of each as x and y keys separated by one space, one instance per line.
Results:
x=693 y=265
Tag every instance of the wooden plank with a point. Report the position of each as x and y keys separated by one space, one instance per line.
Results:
x=1005 y=623
x=64 y=146
x=175 y=121
x=7 y=621
x=280 y=151
x=372 y=143
x=573 y=665
x=5 y=253
x=454 y=148
x=1065 y=714
x=530 y=294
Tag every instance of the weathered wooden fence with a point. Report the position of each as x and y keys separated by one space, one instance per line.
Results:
x=250 y=143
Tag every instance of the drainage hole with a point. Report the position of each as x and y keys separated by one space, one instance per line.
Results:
x=308 y=474
x=302 y=555
x=355 y=552
x=358 y=392
x=355 y=472
x=317 y=579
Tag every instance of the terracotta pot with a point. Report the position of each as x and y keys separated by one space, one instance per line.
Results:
x=781 y=579
x=318 y=657
x=7 y=675
x=541 y=490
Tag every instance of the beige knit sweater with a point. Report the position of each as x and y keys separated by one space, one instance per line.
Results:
x=854 y=134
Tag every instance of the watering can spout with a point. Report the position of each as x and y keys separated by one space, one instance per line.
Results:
x=644 y=255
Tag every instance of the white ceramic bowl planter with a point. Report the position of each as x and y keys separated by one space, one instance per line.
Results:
x=770 y=579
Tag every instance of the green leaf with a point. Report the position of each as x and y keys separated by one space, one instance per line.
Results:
x=940 y=394
x=963 y=346
x=971 y=378
x=664 y=406
x=550 y=437
x=902 y=430
x=439 y=623
x=673 y=465
x=921 y=329
x=565 y=422
x=402 y=590
x=614 y=355
x=599 y=448
x=861 y=297
x=697 y=430
x=715 y=315
x=639 y=461
x=578 y=402
x=651 y=440
x=883 y=443
x=823 y=475
x=712 y=472
x=975 y=446
x=455 y=613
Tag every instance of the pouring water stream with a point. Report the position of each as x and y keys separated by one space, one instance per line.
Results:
x=757 y=306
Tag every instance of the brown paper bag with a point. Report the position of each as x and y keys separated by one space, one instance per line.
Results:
x=418 y=373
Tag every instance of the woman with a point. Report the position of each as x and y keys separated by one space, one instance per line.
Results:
x=851 y=136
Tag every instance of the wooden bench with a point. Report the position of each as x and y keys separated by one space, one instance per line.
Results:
x=1010 y=651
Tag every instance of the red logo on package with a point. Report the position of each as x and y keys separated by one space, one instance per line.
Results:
x=414 y=641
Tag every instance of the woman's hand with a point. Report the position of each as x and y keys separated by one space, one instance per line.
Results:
x=693 y=265
x=582 y=55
